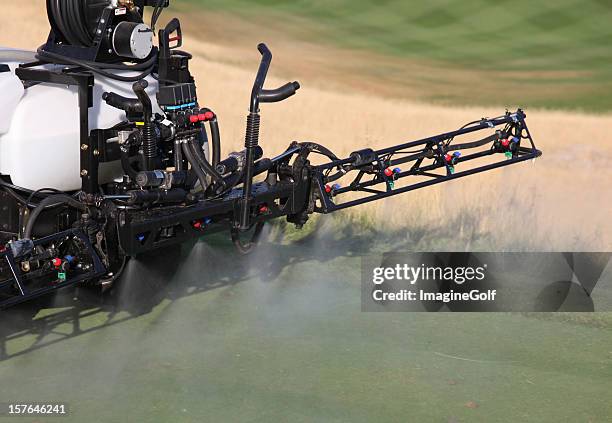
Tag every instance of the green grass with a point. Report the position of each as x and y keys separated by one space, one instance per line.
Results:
x=549 y=47
x=285 y=341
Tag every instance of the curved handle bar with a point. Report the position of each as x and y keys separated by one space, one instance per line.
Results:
x=129 y=105
x=139 y=89
x=279 y=94
x=262 y=73
x=268 y=96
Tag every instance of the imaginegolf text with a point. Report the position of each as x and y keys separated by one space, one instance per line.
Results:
x=445 y=297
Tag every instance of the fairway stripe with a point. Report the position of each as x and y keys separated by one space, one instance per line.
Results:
x=473 y=360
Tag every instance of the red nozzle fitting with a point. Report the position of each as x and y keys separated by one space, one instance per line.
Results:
x=505 y=143
x=194 y=119
x=388 y=172
x=57 y=262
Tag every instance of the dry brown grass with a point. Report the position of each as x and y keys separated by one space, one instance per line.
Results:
x=562 y=202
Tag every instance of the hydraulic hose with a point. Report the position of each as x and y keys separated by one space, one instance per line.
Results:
x=203 y=163
x=54 y=200
x=195 y=167
x=215 y=137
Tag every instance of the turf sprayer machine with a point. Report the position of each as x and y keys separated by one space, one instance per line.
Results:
x=107 y=153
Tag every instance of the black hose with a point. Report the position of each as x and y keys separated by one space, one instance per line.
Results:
x=195 y=167
x=13 y=190
x=205 y=165
x=156 y=14
x=98 y=68
x=215 y=137
x=178 y=157
x=44 y=192
x=54 y=200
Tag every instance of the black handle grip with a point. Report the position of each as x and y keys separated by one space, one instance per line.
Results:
x=279 y=94
x=140 y=91
x=164 y=38
x=128 y=105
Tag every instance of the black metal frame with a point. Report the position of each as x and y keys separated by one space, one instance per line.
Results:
x=432 y=147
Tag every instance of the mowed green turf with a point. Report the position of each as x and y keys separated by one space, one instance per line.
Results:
x=551 y=47
x=280 y=337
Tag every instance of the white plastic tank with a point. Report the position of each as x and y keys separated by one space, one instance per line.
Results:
x=39 y=128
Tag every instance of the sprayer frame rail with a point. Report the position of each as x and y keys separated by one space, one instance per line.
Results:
x=522 y=154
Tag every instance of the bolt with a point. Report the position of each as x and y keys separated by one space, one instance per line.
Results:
x=84 y=147
x=96 y=152
x=84 y=172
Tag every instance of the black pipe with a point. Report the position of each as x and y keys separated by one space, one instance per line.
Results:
x=262 y=73
x=251 y=143
x=258 y=94
x=175 y=195
x=178 y=156
x=149 y=140
x=232 y=164
x=279 y=94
